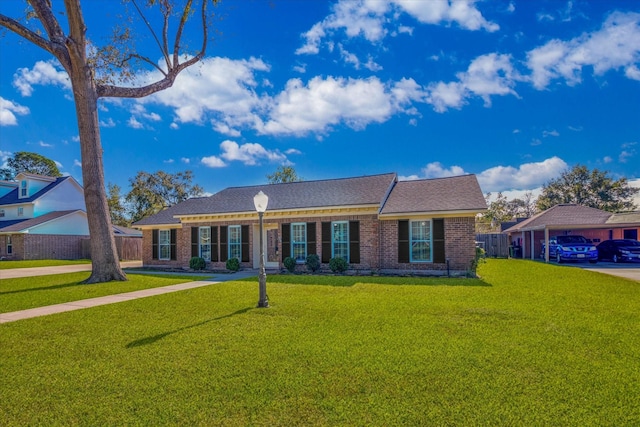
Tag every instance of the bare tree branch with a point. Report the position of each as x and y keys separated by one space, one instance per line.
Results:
x=21 y=30
x=153 y=33
x=48 y=20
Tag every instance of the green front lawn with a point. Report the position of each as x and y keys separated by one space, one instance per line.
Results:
x=5 y=265
x=529 y=344
x=38 y=291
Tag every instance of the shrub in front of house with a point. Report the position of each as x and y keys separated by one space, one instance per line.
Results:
x=312 y=262
x=233 y=264
x=197 y=263
x=289 y=264
x=338 y=265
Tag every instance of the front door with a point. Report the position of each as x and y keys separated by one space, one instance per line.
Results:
x=271 y=246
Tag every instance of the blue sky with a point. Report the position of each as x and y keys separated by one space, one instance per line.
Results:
x=512 y=91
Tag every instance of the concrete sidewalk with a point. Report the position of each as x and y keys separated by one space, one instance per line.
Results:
x=14 y=273
x=111 y=299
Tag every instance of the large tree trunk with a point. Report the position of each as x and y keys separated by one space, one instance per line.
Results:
x=104 y=255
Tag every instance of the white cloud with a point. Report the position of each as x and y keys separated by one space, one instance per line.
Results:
x=616 y=45
x=168 y=161
x=218 y=87
x=607 y=159
x=42 y=73
x=548 y=133
x=249 y=153
x=525 y=176
x=373 y=20
x=174 y=126
x=77 y=162
x=213 y=162
x=8 y=111
x=487 y=75
x=322 y=103
x=436 y=170
x=134 y=123
x=521 y=179
x=185 y=160
x=45 y=145
x=109 y=123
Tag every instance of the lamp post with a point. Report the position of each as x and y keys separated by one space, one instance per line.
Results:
x=260 y=201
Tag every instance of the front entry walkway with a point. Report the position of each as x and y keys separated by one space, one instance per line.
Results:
x=111 y=299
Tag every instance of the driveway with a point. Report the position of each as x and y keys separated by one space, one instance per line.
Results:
x=626 y=270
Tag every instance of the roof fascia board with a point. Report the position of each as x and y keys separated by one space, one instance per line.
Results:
x=432 y=214
x=282 y=213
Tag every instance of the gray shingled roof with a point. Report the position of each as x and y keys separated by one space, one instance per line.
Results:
x=459 y=193
x=563 y=215
x=358 y=191
x=625 y=218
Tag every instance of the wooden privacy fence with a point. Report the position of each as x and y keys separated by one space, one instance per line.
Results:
x=496 y=245
x=129 y=248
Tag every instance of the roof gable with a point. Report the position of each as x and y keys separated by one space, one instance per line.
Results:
x=12 y=197
x=452 y=194
x=563 y=215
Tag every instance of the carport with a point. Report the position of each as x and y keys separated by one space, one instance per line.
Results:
x=565 y=219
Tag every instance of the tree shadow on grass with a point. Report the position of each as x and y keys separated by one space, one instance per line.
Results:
x=154 y=338
x=46 y=288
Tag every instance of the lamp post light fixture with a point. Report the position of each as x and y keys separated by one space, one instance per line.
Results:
x=260 y=201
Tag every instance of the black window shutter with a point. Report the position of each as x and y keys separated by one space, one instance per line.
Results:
x=173 y=243
x=154 y=244
x=311 y=238
x=438 y=241
x=403 y=241
x=224 y=244
x=244 y=236
x=194 y=241
x=354 y=242
x=214 y=244
x=326 y=242
x=286 y=241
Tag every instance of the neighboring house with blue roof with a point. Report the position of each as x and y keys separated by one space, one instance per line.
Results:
x=376 y=223
x=43 y=217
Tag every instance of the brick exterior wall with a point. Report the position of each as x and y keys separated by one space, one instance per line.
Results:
x=42 y=246
x=459 y=235
x=378 y=244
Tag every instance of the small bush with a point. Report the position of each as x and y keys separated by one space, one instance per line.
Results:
x=312 y=262
x=338 y=265
x=289 y=264
x=197 y=263
x=480 y=258
x=233 y=264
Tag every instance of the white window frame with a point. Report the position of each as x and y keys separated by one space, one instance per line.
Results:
x=20 y=211
x=164 y=244
x=204 y=243
x=334 y=241
x=299 y=242
x=24 y=189
x=1 y=213
x=9 y=245
x=416 y=240
x=234 y=240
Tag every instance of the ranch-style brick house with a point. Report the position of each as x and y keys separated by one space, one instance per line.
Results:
x=376 y=223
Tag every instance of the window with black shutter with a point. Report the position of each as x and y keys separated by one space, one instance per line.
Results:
x=326 y=242
x=286 y=241
x=311 y=238
x=174 y=244
x=154 y=244
x=224 y=251
x=354 y=242
x=403 y=241
x=438 y=241
x=214 y=244
x=194 y=242
x=244 y=235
